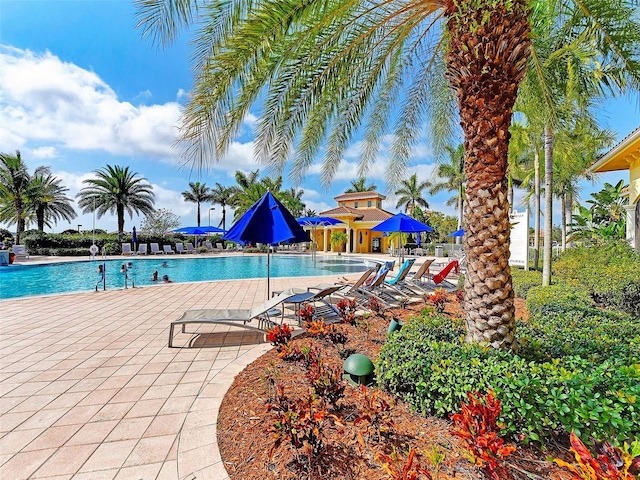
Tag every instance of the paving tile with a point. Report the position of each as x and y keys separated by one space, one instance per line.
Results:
x=109 y=455
x=94 y=432
x=177 y=405
x=144 y=408
x=79 y=415
x=165 y=425
x=139 y=472
x=130 y=428
x=150 y=450
x=23 y=464
x=53 y=437
x=43 y=419
x=15 y=441
x=66 y=460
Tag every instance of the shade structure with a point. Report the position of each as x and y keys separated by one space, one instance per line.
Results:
x=267 y=221
x=204 y=230
x=457 y=233
x=402 y=223
x=315 y=222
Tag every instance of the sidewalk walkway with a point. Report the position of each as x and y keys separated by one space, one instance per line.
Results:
x=90 y=390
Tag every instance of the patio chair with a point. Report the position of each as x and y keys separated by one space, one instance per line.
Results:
x=219 y=247
x=236 y=317
x=155 y=249
x=440 y=279
x=180 y=248
x=402 y=273
x=142 y=249
x=190 y=248
x=167 y=249
x=416 y=281
x=20 y=251
x=317 y=296
x=126 y=249
x=209 y=247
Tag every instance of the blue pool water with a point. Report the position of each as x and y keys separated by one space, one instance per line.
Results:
x=26 y=280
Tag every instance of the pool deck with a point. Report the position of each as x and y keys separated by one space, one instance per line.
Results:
x=90 y=390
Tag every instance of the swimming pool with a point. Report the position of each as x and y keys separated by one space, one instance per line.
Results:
x=27 y=280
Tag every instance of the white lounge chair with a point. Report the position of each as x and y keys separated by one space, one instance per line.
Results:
x=180 y=248
x=155 y=249
x=126 y=249
x=142 y=249
x=237 y=317
x=167 y=249
x=190 y=248
x=20 y=251
x=219 y=247
x=209 y=247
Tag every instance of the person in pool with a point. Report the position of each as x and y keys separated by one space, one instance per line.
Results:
x=164 y=264
x=154 y=276
x=165 y=279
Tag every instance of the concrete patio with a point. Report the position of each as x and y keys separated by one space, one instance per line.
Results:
x=90 y=390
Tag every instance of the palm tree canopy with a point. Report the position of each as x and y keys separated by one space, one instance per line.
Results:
x=197 y=193
x=116 y=190
x=360 y=185
x=410 y=194
x=48 y=200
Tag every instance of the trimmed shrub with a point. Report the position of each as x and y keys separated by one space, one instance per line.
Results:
x=547 y=300
x=428 y=364
x=523 y=280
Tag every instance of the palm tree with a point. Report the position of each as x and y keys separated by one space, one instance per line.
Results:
x=222 y=196
x=116 y=190
x=327 y=65
x=360 y=185
x=14 y=186
x=410 y=194
x=48 y=200
x=198 y=193
x=452 y=178
x=292 y=199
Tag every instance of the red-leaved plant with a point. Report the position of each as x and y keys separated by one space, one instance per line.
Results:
x=325 y=381
x=439 y=299
x=399 y=470
x=347 y=310
x=477 y=425
x=376 y=412
x=306 y=313
x=610 y=463
x=376 y=306
x=279 y=335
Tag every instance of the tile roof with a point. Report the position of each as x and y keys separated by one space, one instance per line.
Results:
x=360 y=214
x=358 y=196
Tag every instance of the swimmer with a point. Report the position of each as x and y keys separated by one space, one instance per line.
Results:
x=100 y=269
x=164 y=264
x=165 y=279
x=154 y=276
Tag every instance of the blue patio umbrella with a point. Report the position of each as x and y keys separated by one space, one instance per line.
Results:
x=134 y=237
x=457 y=233
x=315 y=222
x=204 y=230
x=267 y=221
x=402 y=223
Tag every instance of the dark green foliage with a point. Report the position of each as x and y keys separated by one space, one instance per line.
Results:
x=542 y=300
x=523 y=280
x=549 y=388
x=608 y=272
x=6 y=236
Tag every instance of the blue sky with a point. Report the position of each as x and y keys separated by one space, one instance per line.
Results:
x=80 y=89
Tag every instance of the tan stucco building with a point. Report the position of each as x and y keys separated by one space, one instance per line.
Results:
x=358 y=212
x=626 y=156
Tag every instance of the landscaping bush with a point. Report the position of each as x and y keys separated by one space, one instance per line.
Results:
x=428 y=364
x=543 y=300
x=523 y=280
x=609 y=272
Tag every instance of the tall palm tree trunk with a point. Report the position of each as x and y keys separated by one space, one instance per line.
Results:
x=485 y=64
x=460 y=213
x=563 y=202
x=548 y=205
x=120 y=215
x=536 y=206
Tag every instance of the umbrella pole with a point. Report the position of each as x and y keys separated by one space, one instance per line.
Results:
x=268 y=270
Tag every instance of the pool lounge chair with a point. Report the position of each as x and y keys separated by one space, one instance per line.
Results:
x=416 y=281
x=126 y=249
x=209 y=247
x=180 y=248
x=190 y=248
x=237 y=317
x=439 y=280
x=142 y=249
x=167 y=249
x=319 y=296
x=155 y=249
x=20 y=251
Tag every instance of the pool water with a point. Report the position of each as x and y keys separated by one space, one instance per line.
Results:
x=27 y=280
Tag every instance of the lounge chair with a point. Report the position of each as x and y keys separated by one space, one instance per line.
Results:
x=20 y=251
x=190 y=248
x=167 y=249
x=219 y=247
x=180 y=248
x=416 y=281
x=155 y=249
x=317 y=296
x=439 y=280
x=126 y=249
x=142 y=249
x=399 y=283
x=237 y=317
x=209 y=247
x=402 y=273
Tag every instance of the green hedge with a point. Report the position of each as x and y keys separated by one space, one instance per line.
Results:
x=552 y=386
x=523 y=280
x=609 y=273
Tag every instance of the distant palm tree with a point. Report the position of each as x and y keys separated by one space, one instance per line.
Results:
x=250 y=189
x=410 y=194
x=14 y=185
x=198 y=193
x=222 y=196
x=309 y=213
x=48 y=200
x=116 y=190
x=292 y=199
x=359 y=186
x=453 y=179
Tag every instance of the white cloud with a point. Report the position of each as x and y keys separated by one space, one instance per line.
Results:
x=43 y=152
x=48 y=101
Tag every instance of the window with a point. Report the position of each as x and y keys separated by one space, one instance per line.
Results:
x=369 y=203
x=355 y=204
